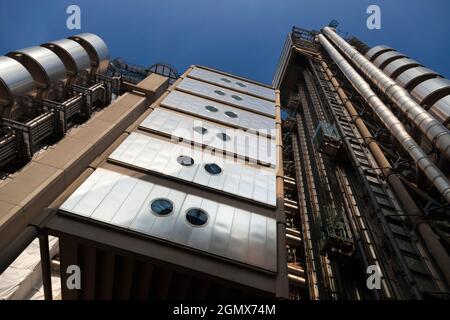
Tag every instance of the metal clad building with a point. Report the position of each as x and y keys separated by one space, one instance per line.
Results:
x=211 y=195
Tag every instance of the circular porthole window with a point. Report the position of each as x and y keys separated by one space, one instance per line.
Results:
x=236 y=97
x=211 y=108
x=223 y=136
x=185 y=161
x=231 y=114
x=225 y=80
x=161 y=207
x=201 y=130
x=240 y=84
x=196 y=217
x=213 y=168
x=219 y=92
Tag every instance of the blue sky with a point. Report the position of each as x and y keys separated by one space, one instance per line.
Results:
x=237 y=36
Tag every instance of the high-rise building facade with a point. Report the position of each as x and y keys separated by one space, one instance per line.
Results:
x=331 y=183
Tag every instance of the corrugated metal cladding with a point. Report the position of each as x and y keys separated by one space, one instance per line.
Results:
x=232 y=83
x=223 y=113
x=160 y=155
x=238 y=99
x=213 y=135
x=126 y=202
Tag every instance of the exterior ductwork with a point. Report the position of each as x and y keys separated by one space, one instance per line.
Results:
x=430 y=91
x=373 y=53
x=394 y=125
x=427 y=124
x=441 y=110
x=386 y=58
x=72 y=54
x=44 y=65
x=15 y=80
x=97 y=50
x=396 y=67
x=412 y=77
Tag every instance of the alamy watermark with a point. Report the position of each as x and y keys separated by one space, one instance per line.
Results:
x=74 y=19
x=374 y=20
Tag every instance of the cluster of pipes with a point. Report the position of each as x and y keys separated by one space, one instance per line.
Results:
x=44 y=71
x=341 y=53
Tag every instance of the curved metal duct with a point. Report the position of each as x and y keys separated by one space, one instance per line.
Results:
x=384 y=59
x=441 y=110
x=430 y=91
x=373 y=53
x=72 y=54
x=391 y=122
x=15 y=80
x=396 y=67
x=412 y=77
x=44 y=65
x=426 y=123
x=96 y=48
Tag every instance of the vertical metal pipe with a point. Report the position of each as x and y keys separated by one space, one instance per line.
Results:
x=427 y=124
x=414 y=214
x=45 y=266
x=391 y=122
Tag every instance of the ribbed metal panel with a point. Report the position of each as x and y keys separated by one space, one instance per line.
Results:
x=233 y=83
x=123 y=201
x=441 y=109
x=376 y=51
x=238 y=142
x=97 y=49
x=160 y=155
x=396 y=67
x=384 y=59
x=430 y=89
x=15 y=80
x=412 y=77
x=237 y=99
x=51 y=66
x=219 y=112
x=74 y=56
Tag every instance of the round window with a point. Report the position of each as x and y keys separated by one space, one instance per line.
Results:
x=211 y=108
x=219 y=92
x=196 y=216
x=223 y=136
x=225 y=80
x=236 y=97
x=201 y=130
x=240 y=84
x=185 y=161
x=231 y=114
x=161 y=207
x=213 y=168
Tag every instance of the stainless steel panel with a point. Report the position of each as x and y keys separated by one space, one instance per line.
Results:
x=411 y=74
x=393 y=67
x=377 y=50
x=77 y=54
x=231 y=233
x=241 y=143
x=97 y=47
x=441 y=110
x=237 y=99
x=196 y=106
x=429 y=87
x=385 y=57
x=233 y=83
x=51 y=65
x=15 y=78
x=237 y=178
